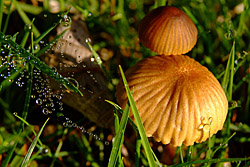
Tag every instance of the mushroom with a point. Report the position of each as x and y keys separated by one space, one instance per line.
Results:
x=179 y=100
x=168 y=30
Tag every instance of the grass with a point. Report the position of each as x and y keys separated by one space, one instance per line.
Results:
x=62 y=136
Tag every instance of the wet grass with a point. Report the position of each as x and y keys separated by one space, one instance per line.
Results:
x=60 y=136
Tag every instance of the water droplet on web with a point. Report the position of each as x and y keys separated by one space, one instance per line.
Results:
x=65 y=124
x=46 y=111
x=51 y=104
x=39 y=101
x=74 y=125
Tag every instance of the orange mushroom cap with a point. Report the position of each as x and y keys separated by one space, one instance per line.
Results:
x=178 y=99
x=168 y=30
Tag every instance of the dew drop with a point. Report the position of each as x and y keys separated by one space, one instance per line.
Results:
x=36 y=48
x=15 y=113
x=92 y=59
x=28 y=27
x=45 y=150
x=88 y=40
x=65 y=124
x=74 y=125
x=233 y=104
x=66 y=21
x=229 y=35
x=51 y=104
x=39 y=101
x=46 y=111
x=106 y=143
x=83 y=129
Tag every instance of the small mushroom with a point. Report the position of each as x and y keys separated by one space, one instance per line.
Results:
x=179 y=100
x=168 y=30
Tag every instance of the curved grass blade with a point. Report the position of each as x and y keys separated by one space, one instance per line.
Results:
x=227 y=82
x=223 y=144
x=32 y=146
x=119 y=138
x=117 y=107
x=45 y=33
x=142 y=132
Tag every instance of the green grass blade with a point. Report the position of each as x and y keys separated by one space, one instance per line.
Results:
x=26 y=19
x=116 y=120
x=46 y=33
x=26 y=123
x=247 y=164
x=223 y=144
x=1 y=14
x=32 y=9
x=142 y=132
x=181 y=155
x=117 y=107
x=6 y=83
x=227 y=85
x=25 y=38
x=24 y=116
x=30 y=58
x=8 y=17
x=99 y=62
x=32 y=146
x=43 y=50
x=227 y=82
x=137 y=150
x=119 y=138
